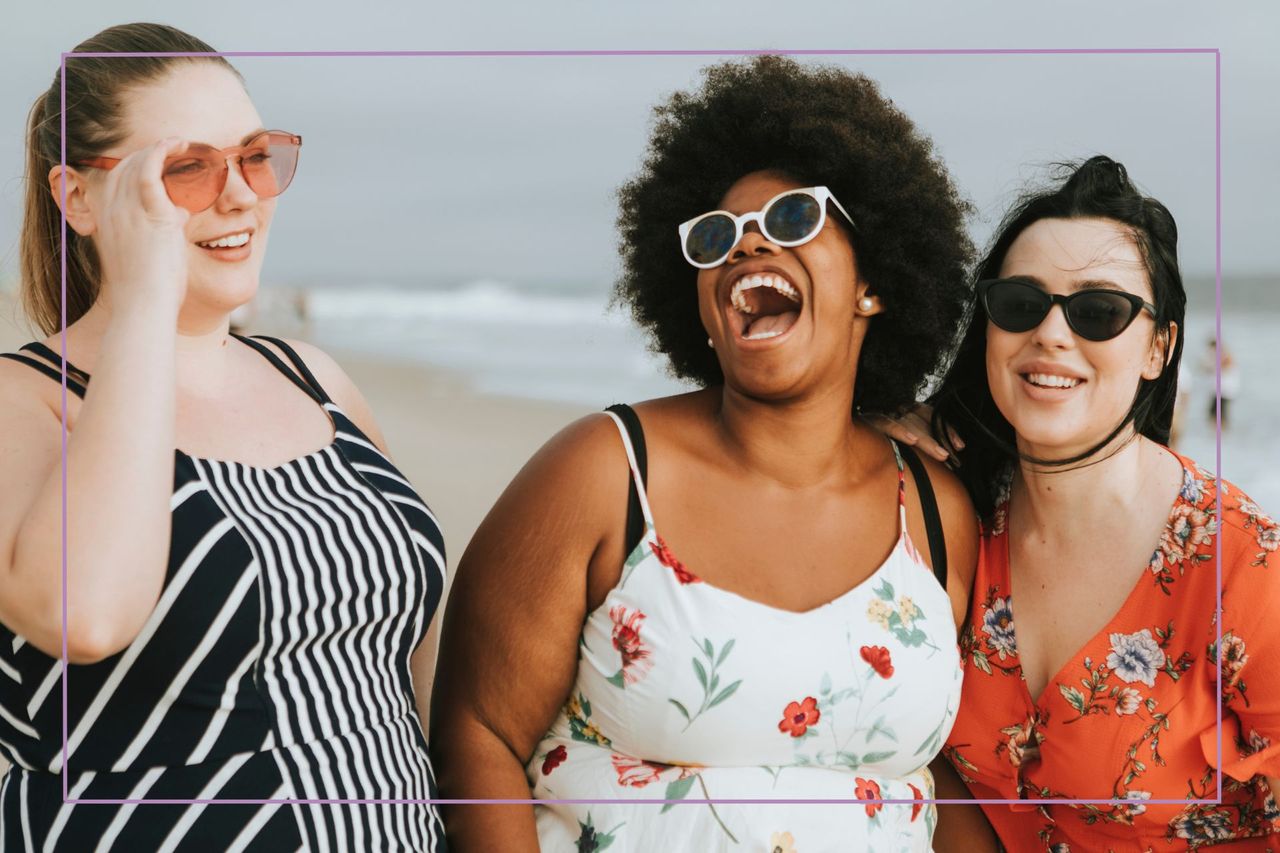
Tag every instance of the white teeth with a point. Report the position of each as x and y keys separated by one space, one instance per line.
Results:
x=749 y=282
x=1049 y=380
x=227 y=242
x=760 y=336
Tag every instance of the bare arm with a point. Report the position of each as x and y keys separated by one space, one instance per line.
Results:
x=510 y=641
x=119 y=464
x=961 y=828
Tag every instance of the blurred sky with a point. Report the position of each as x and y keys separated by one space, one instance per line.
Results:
x=446 y=170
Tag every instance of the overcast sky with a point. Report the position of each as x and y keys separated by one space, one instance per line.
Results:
x=448 y=170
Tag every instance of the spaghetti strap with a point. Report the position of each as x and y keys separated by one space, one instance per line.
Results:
x=49 y=355
x=301 y=365
x=56 y=375
x=932 y=518
x=902 y=488
x=283 y=368
x=637 y=479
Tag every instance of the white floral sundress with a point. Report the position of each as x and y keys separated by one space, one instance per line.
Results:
x=688 y=691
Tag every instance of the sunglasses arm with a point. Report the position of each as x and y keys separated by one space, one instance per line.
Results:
x=840 y=207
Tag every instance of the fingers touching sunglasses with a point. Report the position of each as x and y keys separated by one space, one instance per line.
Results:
x=1094 y=314
x=790 y=218
x=195 y=178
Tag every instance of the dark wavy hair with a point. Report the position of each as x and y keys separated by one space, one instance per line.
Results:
x=1096 y=188
x=818 y=125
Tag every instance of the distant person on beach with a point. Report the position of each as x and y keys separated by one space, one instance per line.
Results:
x=1091 y=651
x=744 y=591
x=248 y=575
x=1230 y=384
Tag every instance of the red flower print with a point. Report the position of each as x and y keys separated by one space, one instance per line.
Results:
x=868 y=789
x=636 y=773
x=799 y=716
x=626 y=639
x=878 y=657
x=915 y=795
x=668 y=559
x=554 y=759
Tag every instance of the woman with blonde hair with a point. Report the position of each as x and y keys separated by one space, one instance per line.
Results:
x=247 y=575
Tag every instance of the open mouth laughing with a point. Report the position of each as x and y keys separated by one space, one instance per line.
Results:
x=763 y=305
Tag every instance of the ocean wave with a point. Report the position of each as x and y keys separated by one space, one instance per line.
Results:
x=481 y=302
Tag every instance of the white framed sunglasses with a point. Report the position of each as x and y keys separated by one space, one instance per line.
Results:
x=790 y=218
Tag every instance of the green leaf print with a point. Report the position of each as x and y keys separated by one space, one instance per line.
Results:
x=677 y=790
x=909 y=636
x=933 y=743
x=581 y=729
x=880 y=728
x=1073 y=696
x=981 y=662
x=617 y=679
x=700 y=671
x=885 y=591
x=825 y=687
x=873 y=757
x=706 y=670
x=724 y=694
x=592 y=841
x=724 y=652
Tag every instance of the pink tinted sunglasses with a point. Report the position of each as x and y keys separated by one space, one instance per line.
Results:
x=195 y=178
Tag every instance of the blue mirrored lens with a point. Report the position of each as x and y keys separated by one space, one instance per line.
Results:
x=792 y=217
x=711 y=239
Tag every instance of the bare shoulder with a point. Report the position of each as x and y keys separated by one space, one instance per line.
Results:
x=327 y=370
x=339 y=386
x=562 y=505
x=579 y=452
x=27 y=396
x=565 y=486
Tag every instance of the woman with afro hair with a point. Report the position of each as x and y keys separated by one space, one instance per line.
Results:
x=744 y=592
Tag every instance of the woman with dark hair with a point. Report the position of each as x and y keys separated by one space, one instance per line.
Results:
x=1091 y=653
x=247 y=574
x=718 y=595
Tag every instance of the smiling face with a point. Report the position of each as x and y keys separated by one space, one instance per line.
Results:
x=205 y=102
x=783 y=321
x=1061 y=393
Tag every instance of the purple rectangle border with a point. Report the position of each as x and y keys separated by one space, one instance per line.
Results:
x=1217 y=272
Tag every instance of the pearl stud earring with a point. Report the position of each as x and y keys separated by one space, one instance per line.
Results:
x=865 y=304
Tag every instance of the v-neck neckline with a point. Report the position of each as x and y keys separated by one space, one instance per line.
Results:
x=1136 y=592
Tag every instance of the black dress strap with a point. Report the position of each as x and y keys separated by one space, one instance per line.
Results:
x=298 y=363
x=74 y=386
x=49 y=355
x=307 y=382
x=932 y=519
x=635 y=515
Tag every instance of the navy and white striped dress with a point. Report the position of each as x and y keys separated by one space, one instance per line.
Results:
x=274 y=666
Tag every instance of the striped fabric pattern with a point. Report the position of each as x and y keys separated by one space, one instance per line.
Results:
x=275 y=665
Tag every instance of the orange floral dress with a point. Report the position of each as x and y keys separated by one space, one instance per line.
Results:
x=1132 y=715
